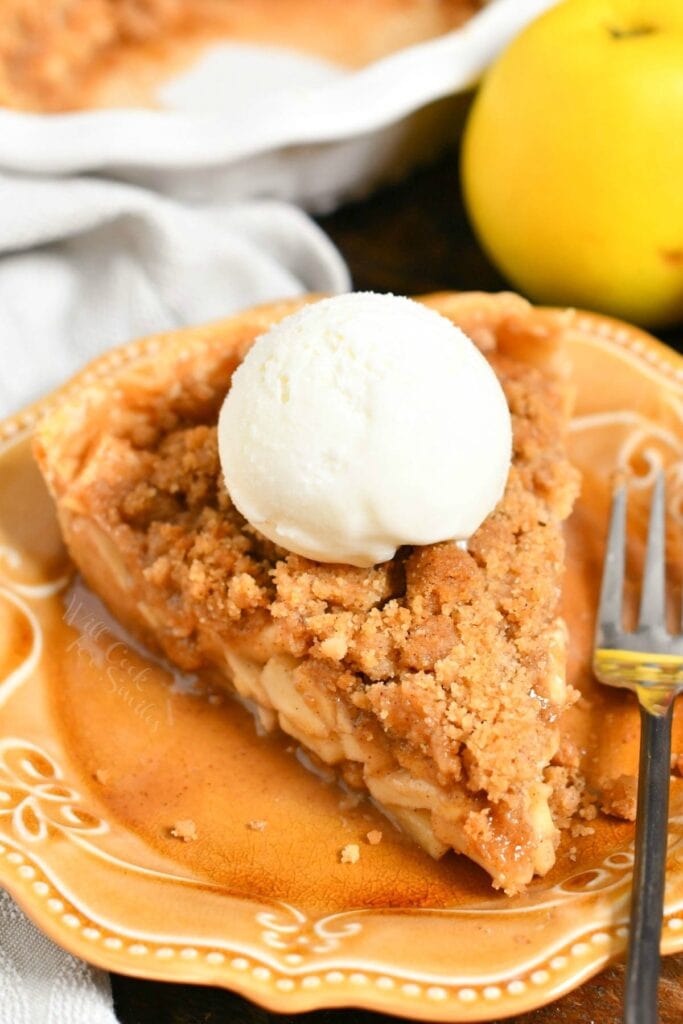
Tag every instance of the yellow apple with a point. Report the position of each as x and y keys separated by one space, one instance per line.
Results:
x=572 y=161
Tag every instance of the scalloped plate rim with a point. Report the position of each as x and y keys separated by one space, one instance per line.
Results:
x=624 y=341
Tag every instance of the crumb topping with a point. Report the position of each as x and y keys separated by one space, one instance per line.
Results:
x=449 y=651
x=350 y=854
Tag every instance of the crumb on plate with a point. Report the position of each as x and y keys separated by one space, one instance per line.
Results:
x=184 y=829
x=619 y=797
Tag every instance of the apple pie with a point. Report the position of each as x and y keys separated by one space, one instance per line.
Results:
x=70 y=54
x=434 y=682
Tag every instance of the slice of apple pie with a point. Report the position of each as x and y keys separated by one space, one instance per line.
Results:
x=434 y=681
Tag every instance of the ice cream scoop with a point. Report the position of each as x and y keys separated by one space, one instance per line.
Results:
x=361 y=423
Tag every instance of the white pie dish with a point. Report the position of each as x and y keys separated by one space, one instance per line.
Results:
x=303 y=130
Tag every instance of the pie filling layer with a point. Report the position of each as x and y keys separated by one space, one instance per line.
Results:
x=436 y=681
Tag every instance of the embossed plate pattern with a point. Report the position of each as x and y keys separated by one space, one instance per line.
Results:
x=99 y=757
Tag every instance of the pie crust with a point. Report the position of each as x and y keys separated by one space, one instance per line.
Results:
x=434 y=682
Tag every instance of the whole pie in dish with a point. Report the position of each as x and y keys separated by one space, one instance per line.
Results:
x=69 y=54
x=435 y=682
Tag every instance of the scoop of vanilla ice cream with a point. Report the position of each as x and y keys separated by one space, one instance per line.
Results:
x=361 y=423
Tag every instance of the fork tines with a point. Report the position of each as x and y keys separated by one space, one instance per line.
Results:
x=651 y=633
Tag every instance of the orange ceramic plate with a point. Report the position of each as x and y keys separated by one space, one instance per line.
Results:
x=100 y=757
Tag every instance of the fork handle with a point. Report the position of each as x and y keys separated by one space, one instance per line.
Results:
x=649 y=869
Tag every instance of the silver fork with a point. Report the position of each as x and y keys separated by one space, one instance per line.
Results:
x=648 y=661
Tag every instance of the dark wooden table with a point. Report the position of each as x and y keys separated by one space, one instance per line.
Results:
x=408 y=239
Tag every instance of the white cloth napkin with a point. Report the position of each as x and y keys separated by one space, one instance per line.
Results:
x=87 y=263
x=40 y=983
